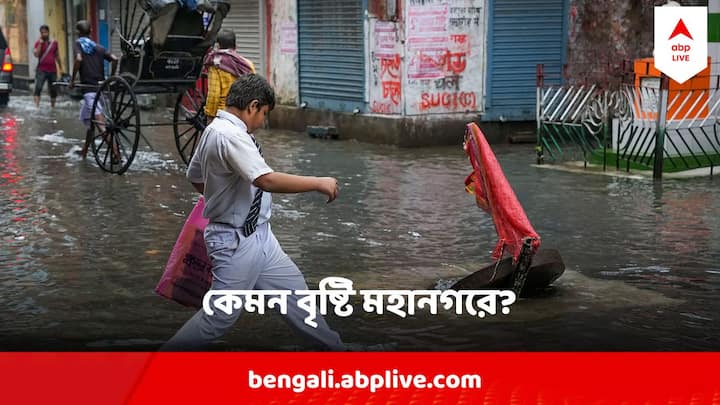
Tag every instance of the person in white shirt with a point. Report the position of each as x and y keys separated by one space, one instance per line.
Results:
x=229 y=170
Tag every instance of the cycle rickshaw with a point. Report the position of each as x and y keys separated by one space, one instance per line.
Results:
x=163 y=45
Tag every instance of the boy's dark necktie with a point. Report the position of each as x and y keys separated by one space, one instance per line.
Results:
x=250 y=224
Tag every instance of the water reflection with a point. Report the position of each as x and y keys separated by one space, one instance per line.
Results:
x=82 y=250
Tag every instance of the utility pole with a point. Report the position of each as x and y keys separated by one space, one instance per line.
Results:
x=660 y=128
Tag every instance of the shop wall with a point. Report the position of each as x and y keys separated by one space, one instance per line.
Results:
x=55 y=19
x=444 y=56
x=282 y=60
x=385 y=72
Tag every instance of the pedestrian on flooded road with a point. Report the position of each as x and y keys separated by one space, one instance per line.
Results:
x=47 y=52
x=229 y=169
x=90 y=64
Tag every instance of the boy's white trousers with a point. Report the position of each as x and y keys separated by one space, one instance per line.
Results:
x=256 y=262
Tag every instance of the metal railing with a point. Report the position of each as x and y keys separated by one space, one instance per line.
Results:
x=641 y=123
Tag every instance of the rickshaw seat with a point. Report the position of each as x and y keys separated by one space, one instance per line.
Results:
x=177 y=29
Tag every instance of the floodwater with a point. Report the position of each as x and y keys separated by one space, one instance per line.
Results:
x=81 y=250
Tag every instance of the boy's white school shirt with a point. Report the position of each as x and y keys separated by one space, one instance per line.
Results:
x=228 y=162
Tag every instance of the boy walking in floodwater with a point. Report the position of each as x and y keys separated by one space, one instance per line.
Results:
x=229 y=169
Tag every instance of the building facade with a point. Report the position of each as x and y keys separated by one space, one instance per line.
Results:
x=14 y=23
x=429 y=64
x=21 y=21
x=416 y=64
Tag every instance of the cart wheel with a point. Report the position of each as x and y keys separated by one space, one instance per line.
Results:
x=117 y=132
x=189 y=122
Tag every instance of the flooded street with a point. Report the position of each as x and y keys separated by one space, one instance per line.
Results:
x=82 y=250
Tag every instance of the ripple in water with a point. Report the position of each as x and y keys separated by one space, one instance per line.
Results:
x=58 y=138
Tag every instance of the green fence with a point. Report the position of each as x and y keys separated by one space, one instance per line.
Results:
x=623 y=128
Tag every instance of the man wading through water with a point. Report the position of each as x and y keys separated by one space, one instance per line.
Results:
x=46 y=51
x=90 y=63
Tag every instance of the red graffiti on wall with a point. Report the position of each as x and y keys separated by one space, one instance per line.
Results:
x=450 y=62
x=393 y=90
x=459 y=39
x=449 y=101
x=459 y=43
x=390 y=83
x=390 y=65
x=382 y=108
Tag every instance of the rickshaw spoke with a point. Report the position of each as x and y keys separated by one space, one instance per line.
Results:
x=134 y=113
x=104 y=107
x=107 y=151
x=113 y=143
x=124 y=107
x=188 y=111
x=188 y=143
x=190 y=128
x=122 y=133
x=128 y=141
x=102 y=141
x=195 y=140
x=188 y=121
x=119 y=117
x=193 y=99
x=122 y=152
x=120 y=106
x=123 y=155
x=115 y=99
x=185 y=112
x=115 y=149
x=192 y=96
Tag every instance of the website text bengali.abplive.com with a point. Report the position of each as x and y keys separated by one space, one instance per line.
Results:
x=390 y=379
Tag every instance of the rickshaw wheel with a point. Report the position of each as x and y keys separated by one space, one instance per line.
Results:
x=116 y=136
x=189 y=122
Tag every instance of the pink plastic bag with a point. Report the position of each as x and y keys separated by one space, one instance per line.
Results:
x=187 y=275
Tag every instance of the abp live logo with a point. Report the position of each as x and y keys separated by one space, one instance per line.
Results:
x=681 y=41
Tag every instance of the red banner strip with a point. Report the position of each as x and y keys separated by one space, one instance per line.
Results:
x=359 y=378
